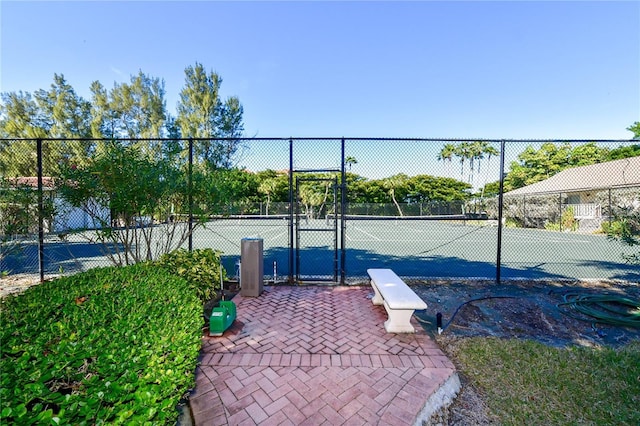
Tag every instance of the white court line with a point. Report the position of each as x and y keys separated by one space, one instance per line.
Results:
x=275 y=237
x=366 y=233
x=461 y=241
x=270 y=230
x=569 y=239
x=411 y=229
x=545 y=240
x=404 y=240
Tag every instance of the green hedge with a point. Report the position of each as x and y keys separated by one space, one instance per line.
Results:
x=201 y=268
x=111 y=345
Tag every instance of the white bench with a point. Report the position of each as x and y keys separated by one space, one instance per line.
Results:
x=398 y=299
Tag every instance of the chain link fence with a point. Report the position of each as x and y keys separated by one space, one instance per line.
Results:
x=326 y=209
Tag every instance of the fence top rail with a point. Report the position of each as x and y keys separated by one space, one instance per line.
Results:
x=399 y=139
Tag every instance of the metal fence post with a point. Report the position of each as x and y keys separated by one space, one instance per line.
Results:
x=560 y=210
x=291 y=205
x=500 y=207
x=40 y=211
x=610 y=213
x=343 y=225
x=190 y=196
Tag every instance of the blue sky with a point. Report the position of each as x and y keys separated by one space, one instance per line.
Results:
x=372 y=69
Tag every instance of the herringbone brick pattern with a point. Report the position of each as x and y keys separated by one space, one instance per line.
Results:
x=312 y=356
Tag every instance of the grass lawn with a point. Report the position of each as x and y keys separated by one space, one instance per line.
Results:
x=525 y=382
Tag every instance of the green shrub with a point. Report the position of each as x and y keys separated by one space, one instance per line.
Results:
x=626 y=230
x=568 y=219
x=111 y=345
x=552 y=226
x=513 y=223
x=567 y=222
x=614 y=227
x=201 y=268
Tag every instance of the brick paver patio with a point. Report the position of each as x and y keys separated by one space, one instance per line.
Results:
x=312 y=356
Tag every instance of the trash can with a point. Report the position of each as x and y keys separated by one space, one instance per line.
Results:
x=251 y=267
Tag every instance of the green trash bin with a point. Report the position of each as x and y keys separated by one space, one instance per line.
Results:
x=222 y=317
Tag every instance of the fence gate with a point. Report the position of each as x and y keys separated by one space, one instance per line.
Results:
x=316 y=221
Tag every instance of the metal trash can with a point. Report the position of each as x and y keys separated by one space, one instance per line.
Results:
x=251 y=267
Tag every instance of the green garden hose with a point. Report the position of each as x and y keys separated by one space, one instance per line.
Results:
x=602 y=308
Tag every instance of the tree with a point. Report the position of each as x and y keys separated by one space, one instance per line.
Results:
x=310 y=198
x=489 y=151
x=267 y=187
x=66 y=114
x=358 y=188
x=129 y=110
x=202 y=114
x=21 y=117
x=447 y=152
x=123 y=192
x=55 y=113
x=350 y=161
x=325 y=186
x=536 y=165
x=635 y=129
x=395 y=185
x=102 y=118
x=480 y=149
x=623 y=152
x=468 y=153
x=589 y=153
x=280 y=192
x=425 y=188
x=231 y=191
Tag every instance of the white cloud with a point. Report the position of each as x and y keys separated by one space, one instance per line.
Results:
x=116 y=70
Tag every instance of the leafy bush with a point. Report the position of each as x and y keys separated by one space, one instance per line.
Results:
x=627 y=230
x=124 y=192
x=111 y=345
x=201 y=268
x=552 y=226
x=567 y=222
x=513 y=223
x=568 y=219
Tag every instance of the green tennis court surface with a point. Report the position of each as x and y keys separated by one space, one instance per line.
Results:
x=430 y=248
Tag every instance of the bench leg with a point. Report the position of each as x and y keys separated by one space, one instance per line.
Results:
x=377 y=297
x=399 y=320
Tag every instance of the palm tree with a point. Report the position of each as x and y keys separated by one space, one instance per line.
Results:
x=490 y=151
x=447 y=152
x=476 y=154
x=309 y=197
x=392 y=184
x=463 y=151
x=268 y=186
x=350 y=161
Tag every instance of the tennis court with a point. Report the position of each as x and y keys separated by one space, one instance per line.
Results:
x=427 y=249
x=457 y=250
x=412 y=247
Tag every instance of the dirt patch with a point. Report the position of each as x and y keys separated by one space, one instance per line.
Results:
x=15 y=284
x=520 y=309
